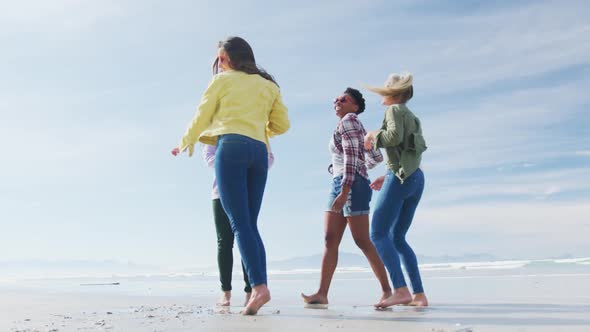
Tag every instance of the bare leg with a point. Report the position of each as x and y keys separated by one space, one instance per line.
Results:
x=335 y=225
x=359 y=227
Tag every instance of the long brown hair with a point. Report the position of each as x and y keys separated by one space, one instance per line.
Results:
x=241 y=58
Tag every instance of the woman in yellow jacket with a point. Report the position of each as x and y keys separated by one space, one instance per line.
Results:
x=239 y=111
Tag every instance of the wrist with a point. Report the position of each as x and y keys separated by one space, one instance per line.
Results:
x=374 y=139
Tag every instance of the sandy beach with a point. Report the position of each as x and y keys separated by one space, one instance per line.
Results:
x=146 y=146
x=498 y=299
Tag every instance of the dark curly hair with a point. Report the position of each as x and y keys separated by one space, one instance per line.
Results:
x=358 y=98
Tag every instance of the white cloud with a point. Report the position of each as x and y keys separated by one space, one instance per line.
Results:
x=511 y=218
x=448 y=53
x=509 y=185
x=510 y=230
x=504 y=128
x=55 y=16
x=64 y=129
x=476 y=50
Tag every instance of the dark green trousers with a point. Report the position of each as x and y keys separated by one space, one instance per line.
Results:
x=225 y=245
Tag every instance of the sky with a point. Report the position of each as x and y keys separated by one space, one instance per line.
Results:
x=95 y=94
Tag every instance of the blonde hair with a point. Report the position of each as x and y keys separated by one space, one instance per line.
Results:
x=396 y=85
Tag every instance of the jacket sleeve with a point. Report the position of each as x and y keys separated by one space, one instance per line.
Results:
x=374 y=157
x=392 y=132
x=278 y=120
x=203 y=117
x=350 y=131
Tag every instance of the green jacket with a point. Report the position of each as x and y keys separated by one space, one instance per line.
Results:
x=401 y=136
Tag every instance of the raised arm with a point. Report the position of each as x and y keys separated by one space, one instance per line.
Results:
x=374 y=157
x=392 y=134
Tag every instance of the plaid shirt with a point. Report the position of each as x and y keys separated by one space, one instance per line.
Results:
x=348 y=139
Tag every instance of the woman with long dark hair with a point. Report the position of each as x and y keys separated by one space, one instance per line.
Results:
x=239 y=111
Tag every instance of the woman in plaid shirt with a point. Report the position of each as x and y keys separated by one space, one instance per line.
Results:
x=349 y=196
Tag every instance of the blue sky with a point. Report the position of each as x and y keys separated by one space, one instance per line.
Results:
x=94 y=94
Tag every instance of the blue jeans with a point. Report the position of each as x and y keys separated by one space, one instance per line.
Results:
x=241 y=166
x=394 y=211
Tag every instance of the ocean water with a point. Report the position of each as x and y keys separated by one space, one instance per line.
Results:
x=551 y=280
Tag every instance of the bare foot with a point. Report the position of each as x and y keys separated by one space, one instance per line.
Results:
x=248 y=296
x=385 y=295
x=419 y=300
x=224 y=299
x=260 y=296
x=400 y=296
x=315 y=298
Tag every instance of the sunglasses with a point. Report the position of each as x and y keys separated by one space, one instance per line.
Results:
x=343 y=100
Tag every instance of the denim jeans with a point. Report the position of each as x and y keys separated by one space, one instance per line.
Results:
x=241 y=166
x=394 y=211
x=359 y=197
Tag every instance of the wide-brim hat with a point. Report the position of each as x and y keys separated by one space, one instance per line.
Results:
x=395 y=84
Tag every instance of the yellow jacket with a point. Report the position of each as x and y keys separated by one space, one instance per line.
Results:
x=237 y=103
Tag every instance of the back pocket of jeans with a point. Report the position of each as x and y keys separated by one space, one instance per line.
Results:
x=233 y=151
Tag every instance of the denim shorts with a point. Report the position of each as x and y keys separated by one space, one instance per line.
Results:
x=358 y=198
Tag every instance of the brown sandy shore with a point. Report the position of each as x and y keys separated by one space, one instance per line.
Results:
x=52 y=312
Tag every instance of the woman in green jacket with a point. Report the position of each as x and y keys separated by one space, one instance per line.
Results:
x=401 y=188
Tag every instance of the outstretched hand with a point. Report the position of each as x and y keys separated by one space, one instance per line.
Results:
x=176 y=151
x=378 y=183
